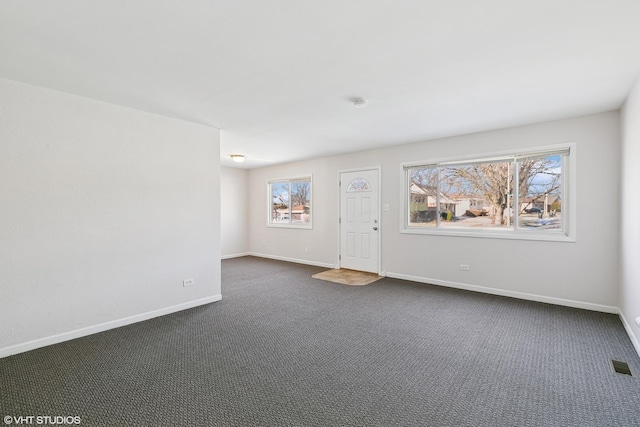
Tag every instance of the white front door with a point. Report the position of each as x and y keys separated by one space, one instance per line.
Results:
x=359 y=222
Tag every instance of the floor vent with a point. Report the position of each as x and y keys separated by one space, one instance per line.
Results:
x=621 y=367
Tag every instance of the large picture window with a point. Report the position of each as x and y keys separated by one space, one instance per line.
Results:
x=290 y=202
x=522 y=194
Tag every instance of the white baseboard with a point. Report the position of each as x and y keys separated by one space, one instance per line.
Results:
x=296 y=260
x=632 y=336
x=512 y=294
x=66 y=336
x=235 y=255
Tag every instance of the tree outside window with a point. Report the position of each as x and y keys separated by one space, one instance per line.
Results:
x=521 y=192
x=290 y=202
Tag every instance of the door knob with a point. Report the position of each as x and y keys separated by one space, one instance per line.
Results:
x=375 y=228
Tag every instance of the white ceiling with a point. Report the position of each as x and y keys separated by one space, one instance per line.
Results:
x=276 y=76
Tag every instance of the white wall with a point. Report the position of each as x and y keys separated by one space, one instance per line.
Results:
x=582 y=274
x=104 y=211
x=234 y=207
x=630 y=209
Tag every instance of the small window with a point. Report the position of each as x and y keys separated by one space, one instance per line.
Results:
x=521 y=195
x=358 y=184
x=290 y=202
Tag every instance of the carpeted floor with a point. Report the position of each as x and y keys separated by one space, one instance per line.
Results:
x=283 y=349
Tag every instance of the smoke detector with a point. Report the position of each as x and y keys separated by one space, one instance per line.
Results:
x=359 y=102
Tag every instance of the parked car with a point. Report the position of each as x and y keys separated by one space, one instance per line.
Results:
x=533 y=210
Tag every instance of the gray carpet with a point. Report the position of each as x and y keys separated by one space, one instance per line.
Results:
x=283 y=349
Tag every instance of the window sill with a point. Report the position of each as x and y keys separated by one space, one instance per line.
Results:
x=490 y=234
x=302 y=227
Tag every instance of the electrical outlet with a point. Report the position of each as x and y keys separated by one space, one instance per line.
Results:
x=306 y=248
x=187 y=282
x=464 y=267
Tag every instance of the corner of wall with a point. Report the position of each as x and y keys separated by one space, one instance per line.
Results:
x=629 y=280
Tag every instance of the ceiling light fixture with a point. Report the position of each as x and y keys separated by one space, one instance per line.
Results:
x=238 y=158
x=359 y=102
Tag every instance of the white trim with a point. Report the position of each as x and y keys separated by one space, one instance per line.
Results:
x=296 y=260
x=299 y=225
x=511 y=153
x=512 y=294
x=489 y=234
x=90 y=330
x=627 y=327
x=291 y=225
x=370 y=168
x=569 y=179
x=241 y=254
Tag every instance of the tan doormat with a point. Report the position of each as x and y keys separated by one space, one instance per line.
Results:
x=347 y=277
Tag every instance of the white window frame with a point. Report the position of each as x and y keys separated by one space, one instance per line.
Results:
x=568 y=233
x=298 y=225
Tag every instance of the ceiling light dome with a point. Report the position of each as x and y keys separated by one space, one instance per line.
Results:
x=238 y=158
